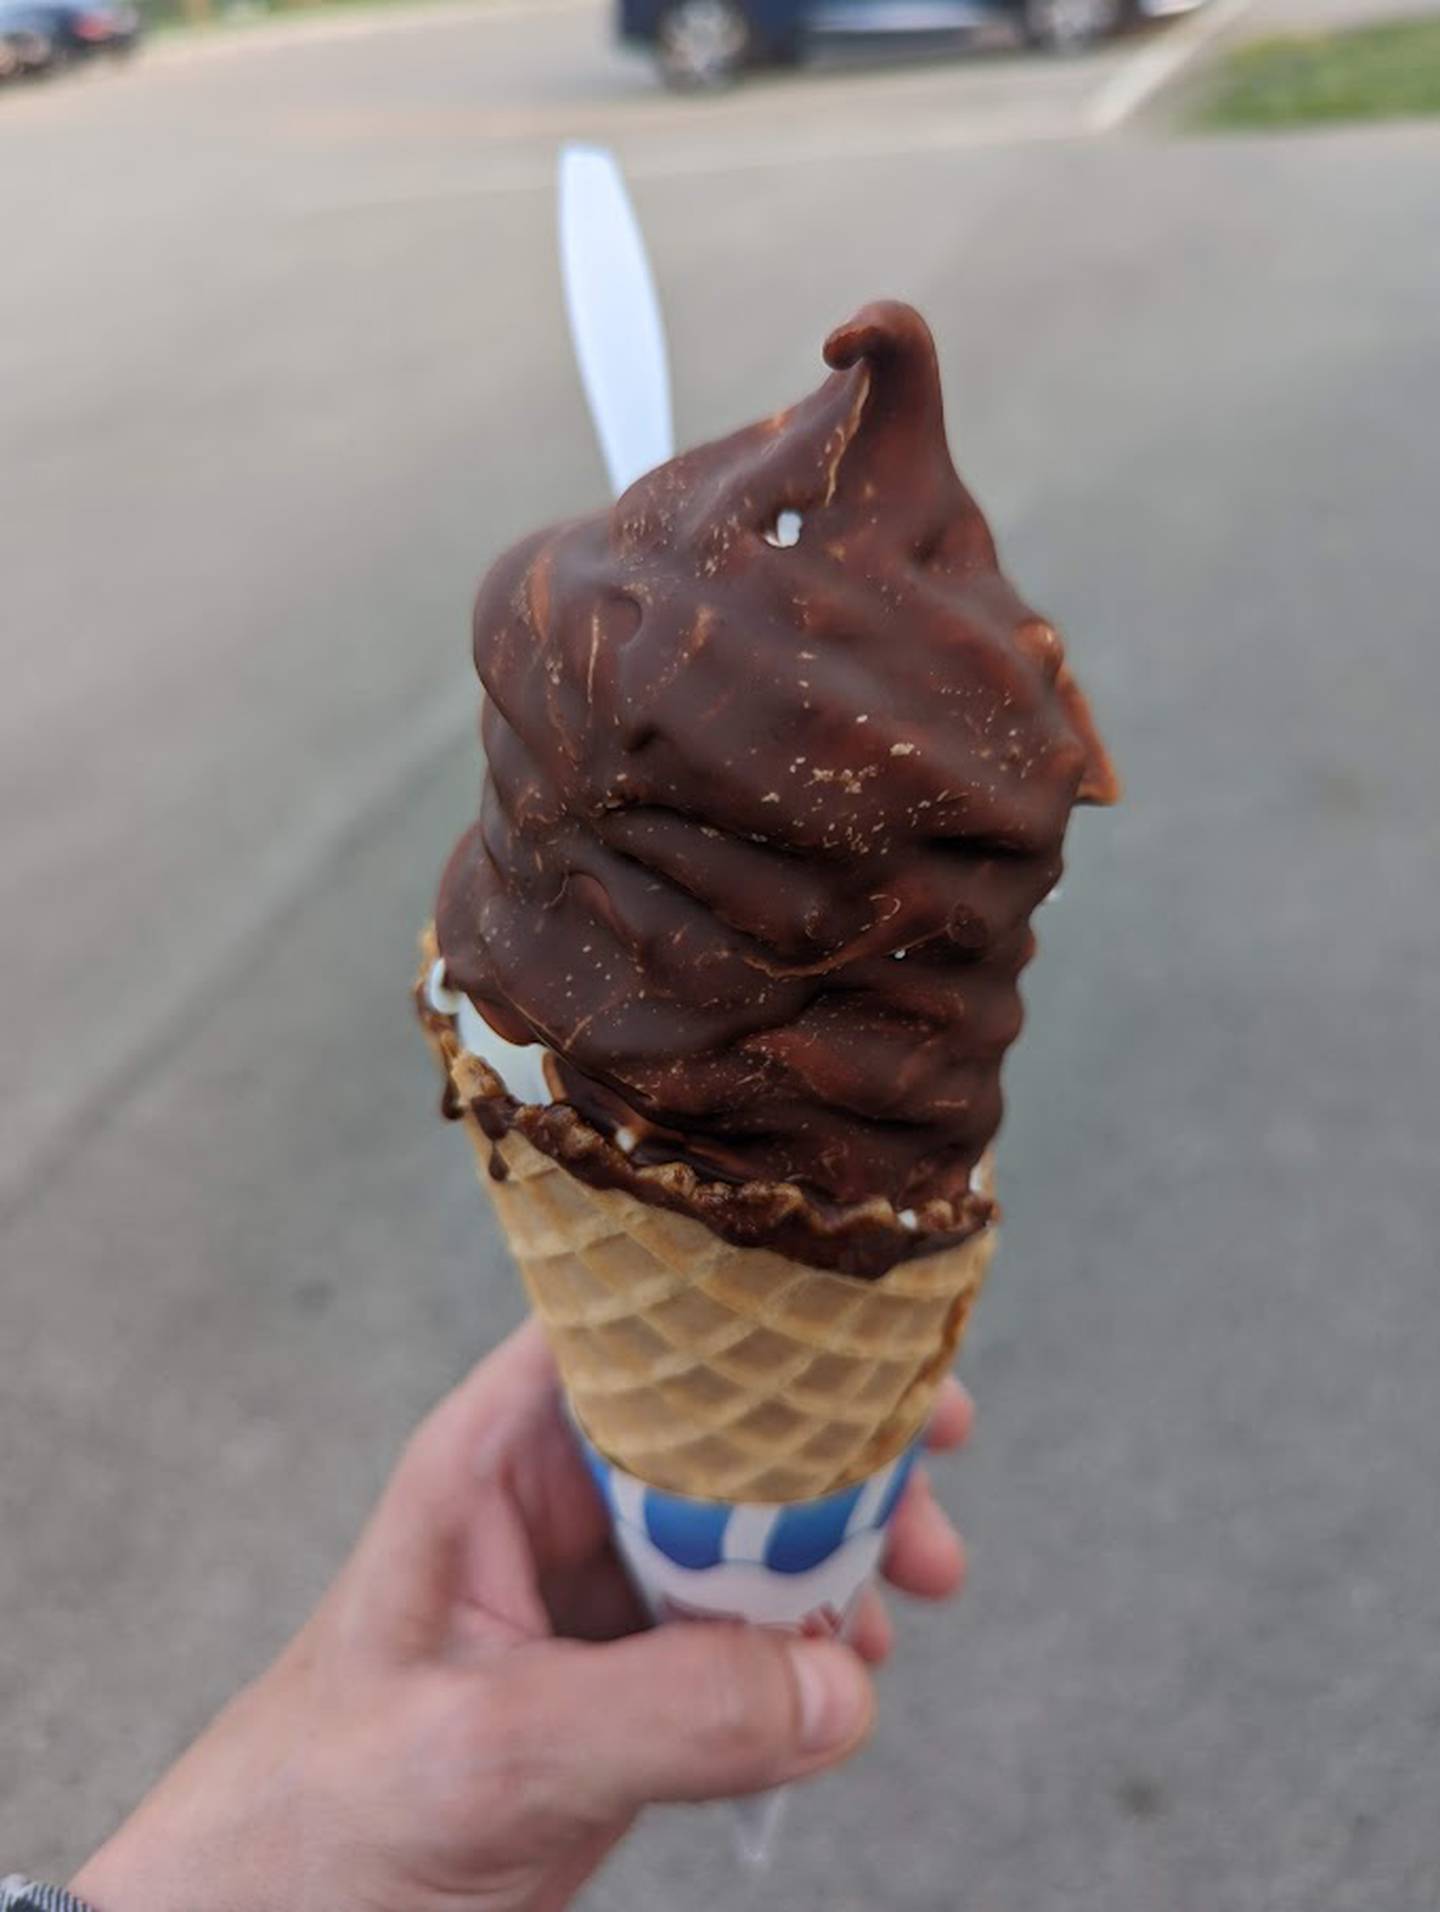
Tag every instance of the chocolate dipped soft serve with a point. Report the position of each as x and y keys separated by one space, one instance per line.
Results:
x=779 y=767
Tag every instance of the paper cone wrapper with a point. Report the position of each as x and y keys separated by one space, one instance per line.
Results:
x=799 y=1565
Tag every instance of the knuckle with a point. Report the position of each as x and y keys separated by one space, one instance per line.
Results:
x=514 y=1724
x=742 y=1690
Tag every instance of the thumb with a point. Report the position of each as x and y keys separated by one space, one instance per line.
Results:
x=689 y=1712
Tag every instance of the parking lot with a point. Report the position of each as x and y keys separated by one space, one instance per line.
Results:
x=284 y=367
x=504 y=81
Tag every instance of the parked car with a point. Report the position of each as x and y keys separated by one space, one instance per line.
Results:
x=707 y=43
x=39 y=35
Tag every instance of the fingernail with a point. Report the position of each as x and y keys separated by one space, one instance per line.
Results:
x=834 y=1695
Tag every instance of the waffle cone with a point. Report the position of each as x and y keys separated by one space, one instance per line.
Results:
x=729 y=1373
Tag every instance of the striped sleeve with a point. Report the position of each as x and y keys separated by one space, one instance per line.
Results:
x=23 y=1895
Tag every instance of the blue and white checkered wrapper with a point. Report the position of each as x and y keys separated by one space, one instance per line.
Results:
x=803 y=1564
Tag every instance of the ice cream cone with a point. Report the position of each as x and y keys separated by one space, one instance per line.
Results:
x=709 y=1370
x=779 y=768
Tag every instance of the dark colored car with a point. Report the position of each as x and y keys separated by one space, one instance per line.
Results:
x=702 y=43
x=39 y=35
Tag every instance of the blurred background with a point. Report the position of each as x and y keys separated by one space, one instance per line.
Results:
x=282 y=366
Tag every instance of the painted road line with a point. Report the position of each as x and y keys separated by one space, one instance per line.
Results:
x=535 y=173
x=1142 y=76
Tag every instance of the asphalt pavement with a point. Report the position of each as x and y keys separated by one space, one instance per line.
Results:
x=283 y=366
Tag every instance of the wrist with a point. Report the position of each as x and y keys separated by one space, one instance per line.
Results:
x=222 y=1831
x=115 y=1880
x=183 y=1861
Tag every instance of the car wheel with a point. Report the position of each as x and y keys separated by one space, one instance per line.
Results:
x=1069 y=26
x=702 y=43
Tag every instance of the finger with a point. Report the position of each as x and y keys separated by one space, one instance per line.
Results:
x=870 y=1632
x=593 y=1602
x=923 y=1552
x=480 y=1411
x=511 y=1415
x=681 y=1713
x=953 y=1418
x=506 y=1421
x=471 y=1431
x=490 y=1495
x=553 y=1489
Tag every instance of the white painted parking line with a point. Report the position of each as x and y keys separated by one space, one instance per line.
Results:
x=658 y=160
x=1143 y=75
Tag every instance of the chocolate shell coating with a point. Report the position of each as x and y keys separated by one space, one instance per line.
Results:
x=765 y=822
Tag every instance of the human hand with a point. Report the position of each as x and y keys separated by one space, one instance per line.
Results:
x=470 y=1719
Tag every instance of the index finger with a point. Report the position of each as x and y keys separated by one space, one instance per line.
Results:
x=505 y=1422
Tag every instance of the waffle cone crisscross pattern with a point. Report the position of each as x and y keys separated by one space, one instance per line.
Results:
x=728 y=1373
